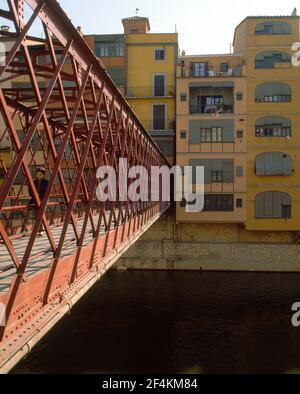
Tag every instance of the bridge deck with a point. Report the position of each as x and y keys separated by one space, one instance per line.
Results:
x=42 y=255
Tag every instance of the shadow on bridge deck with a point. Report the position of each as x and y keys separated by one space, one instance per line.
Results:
x=42 y=254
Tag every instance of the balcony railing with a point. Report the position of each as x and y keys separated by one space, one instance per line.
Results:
x=279 y=98
x=212 y=109
x=194 y=73
x=150 y=91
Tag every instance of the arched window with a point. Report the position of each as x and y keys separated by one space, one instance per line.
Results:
x=269 y=28
x=273 y=93
x=273 y=126
x=273 y=163
x=273 y=205
x=270 y=60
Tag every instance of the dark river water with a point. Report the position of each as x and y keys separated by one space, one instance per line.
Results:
x=176 y=322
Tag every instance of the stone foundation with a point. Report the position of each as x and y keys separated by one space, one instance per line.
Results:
x=170 y=255
x=171 y=246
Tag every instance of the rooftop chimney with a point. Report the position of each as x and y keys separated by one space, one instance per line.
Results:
x=136 y=25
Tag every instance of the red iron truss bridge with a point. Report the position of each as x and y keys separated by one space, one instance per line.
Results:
x=60 y=110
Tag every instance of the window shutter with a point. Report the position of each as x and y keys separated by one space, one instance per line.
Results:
x=228 y=171
x=274 y=163
x=194 y=133
x=269 y=205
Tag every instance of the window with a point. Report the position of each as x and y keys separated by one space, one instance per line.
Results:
x=239 y=96
x=224 y=67
x=210 y=130
x=109 y=49
x=218 y=203
x=240 y=134
x=274 y=130
x=203 y=134
x=26 y=85
x=212 y=100
x=68 y=152
x=183 y=135
x=69 y=84
x=239 y=203
x=159 y=85
x=216 y=134
x=269 y=28
x=183 y=96
x=36 y=141
x=273 y=126
x=286 y=211
x=160 y=54
x=20 y=59
x=277 y=98
x=166 y=147
x=159 y=117
x=273 y=164
x=117 y=74
x=217 y=177
x=41 y=59
x=239 y=171
x=273 y=205
x=199 y=69
x=212 y=167
x=273 y=93
x=46 y=59
x=209 y=135
x=268 y=60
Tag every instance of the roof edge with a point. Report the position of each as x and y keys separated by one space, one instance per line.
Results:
x=264 y=17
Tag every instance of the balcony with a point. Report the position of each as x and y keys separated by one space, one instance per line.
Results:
x=203 y=71
x=211 y=100
x=215 y=74
x=149 y=91
x=212 y=109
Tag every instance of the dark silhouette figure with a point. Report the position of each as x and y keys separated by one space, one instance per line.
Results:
x=41 y=185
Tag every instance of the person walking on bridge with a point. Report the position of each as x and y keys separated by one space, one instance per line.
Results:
x=41 y=185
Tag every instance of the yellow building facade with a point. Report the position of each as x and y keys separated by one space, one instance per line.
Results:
x=273 y=121
x=151 y=61
x=238 y=115
x=143 y=65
